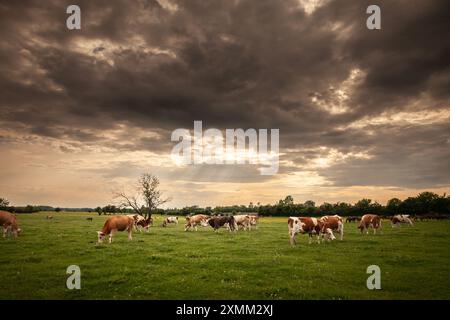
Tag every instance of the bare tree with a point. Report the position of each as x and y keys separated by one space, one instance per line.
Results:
x=4 y=202
x=148 y=196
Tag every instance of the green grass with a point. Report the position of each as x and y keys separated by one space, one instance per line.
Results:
x=168 y=263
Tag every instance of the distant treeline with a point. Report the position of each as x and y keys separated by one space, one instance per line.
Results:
x=426 y=203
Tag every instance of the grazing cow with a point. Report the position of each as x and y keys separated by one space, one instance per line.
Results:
x=49 y=217
x=89 y=219
x=217 y=222
x=304 y=225
x=140 y=222
x=116 y=223
x=144 y=224
x=194 y=221
x=170 y=220
x=9 y=223
x=398 y=219
x=330 y=224
x=370 y=220
x=352 y=219
x=242 y=220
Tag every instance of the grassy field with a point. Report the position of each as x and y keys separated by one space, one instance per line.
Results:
x=168 y=263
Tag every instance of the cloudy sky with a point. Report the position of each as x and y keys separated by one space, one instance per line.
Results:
x=361 y=113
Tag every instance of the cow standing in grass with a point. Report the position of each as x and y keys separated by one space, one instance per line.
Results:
x=370 y=221
x=116 y=223
x=9 y=223
x=242 y=220
x=253 y=220
x=218 y=222
x=194 y=221
x=330 y=224
x=140 y=222
x=398 y=219
x=304 y=225
x=169 y=220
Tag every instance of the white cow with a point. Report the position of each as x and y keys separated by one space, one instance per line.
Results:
x=170 y=220
x=398 y=219
x=253 y=220
x=242 y=220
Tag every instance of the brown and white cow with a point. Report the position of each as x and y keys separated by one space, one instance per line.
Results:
x=330 y=224
x=116 y=223
x=9 y=223
x=144 y=224
x=140 y=223
x=242 y=220
x=195 y=220
x=398 y=219
x=222 y=221
x=370 y=220
x=169 y=220
x=304 y=225
x=253 y=220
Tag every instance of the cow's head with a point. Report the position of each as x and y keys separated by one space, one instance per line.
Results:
x=149 y=221
x=329 y=234
x=101 y=236
x=361 y=227
x=15 y=231
x=204 y=222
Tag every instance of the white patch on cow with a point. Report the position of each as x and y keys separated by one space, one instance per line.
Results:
x=314 y=221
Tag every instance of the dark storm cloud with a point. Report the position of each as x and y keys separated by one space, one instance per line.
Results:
x=406 y=158
x=249 y=64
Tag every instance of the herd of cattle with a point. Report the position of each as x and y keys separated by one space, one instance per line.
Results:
x=137 y=222
x=323 y=228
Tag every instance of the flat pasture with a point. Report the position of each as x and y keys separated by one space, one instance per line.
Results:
x=168 y=263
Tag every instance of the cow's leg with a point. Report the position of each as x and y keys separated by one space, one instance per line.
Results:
x=5 y=229
x=130 y=237
x=292 y=238
x=110 y=236
x=341 y=231
x=9 y=231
